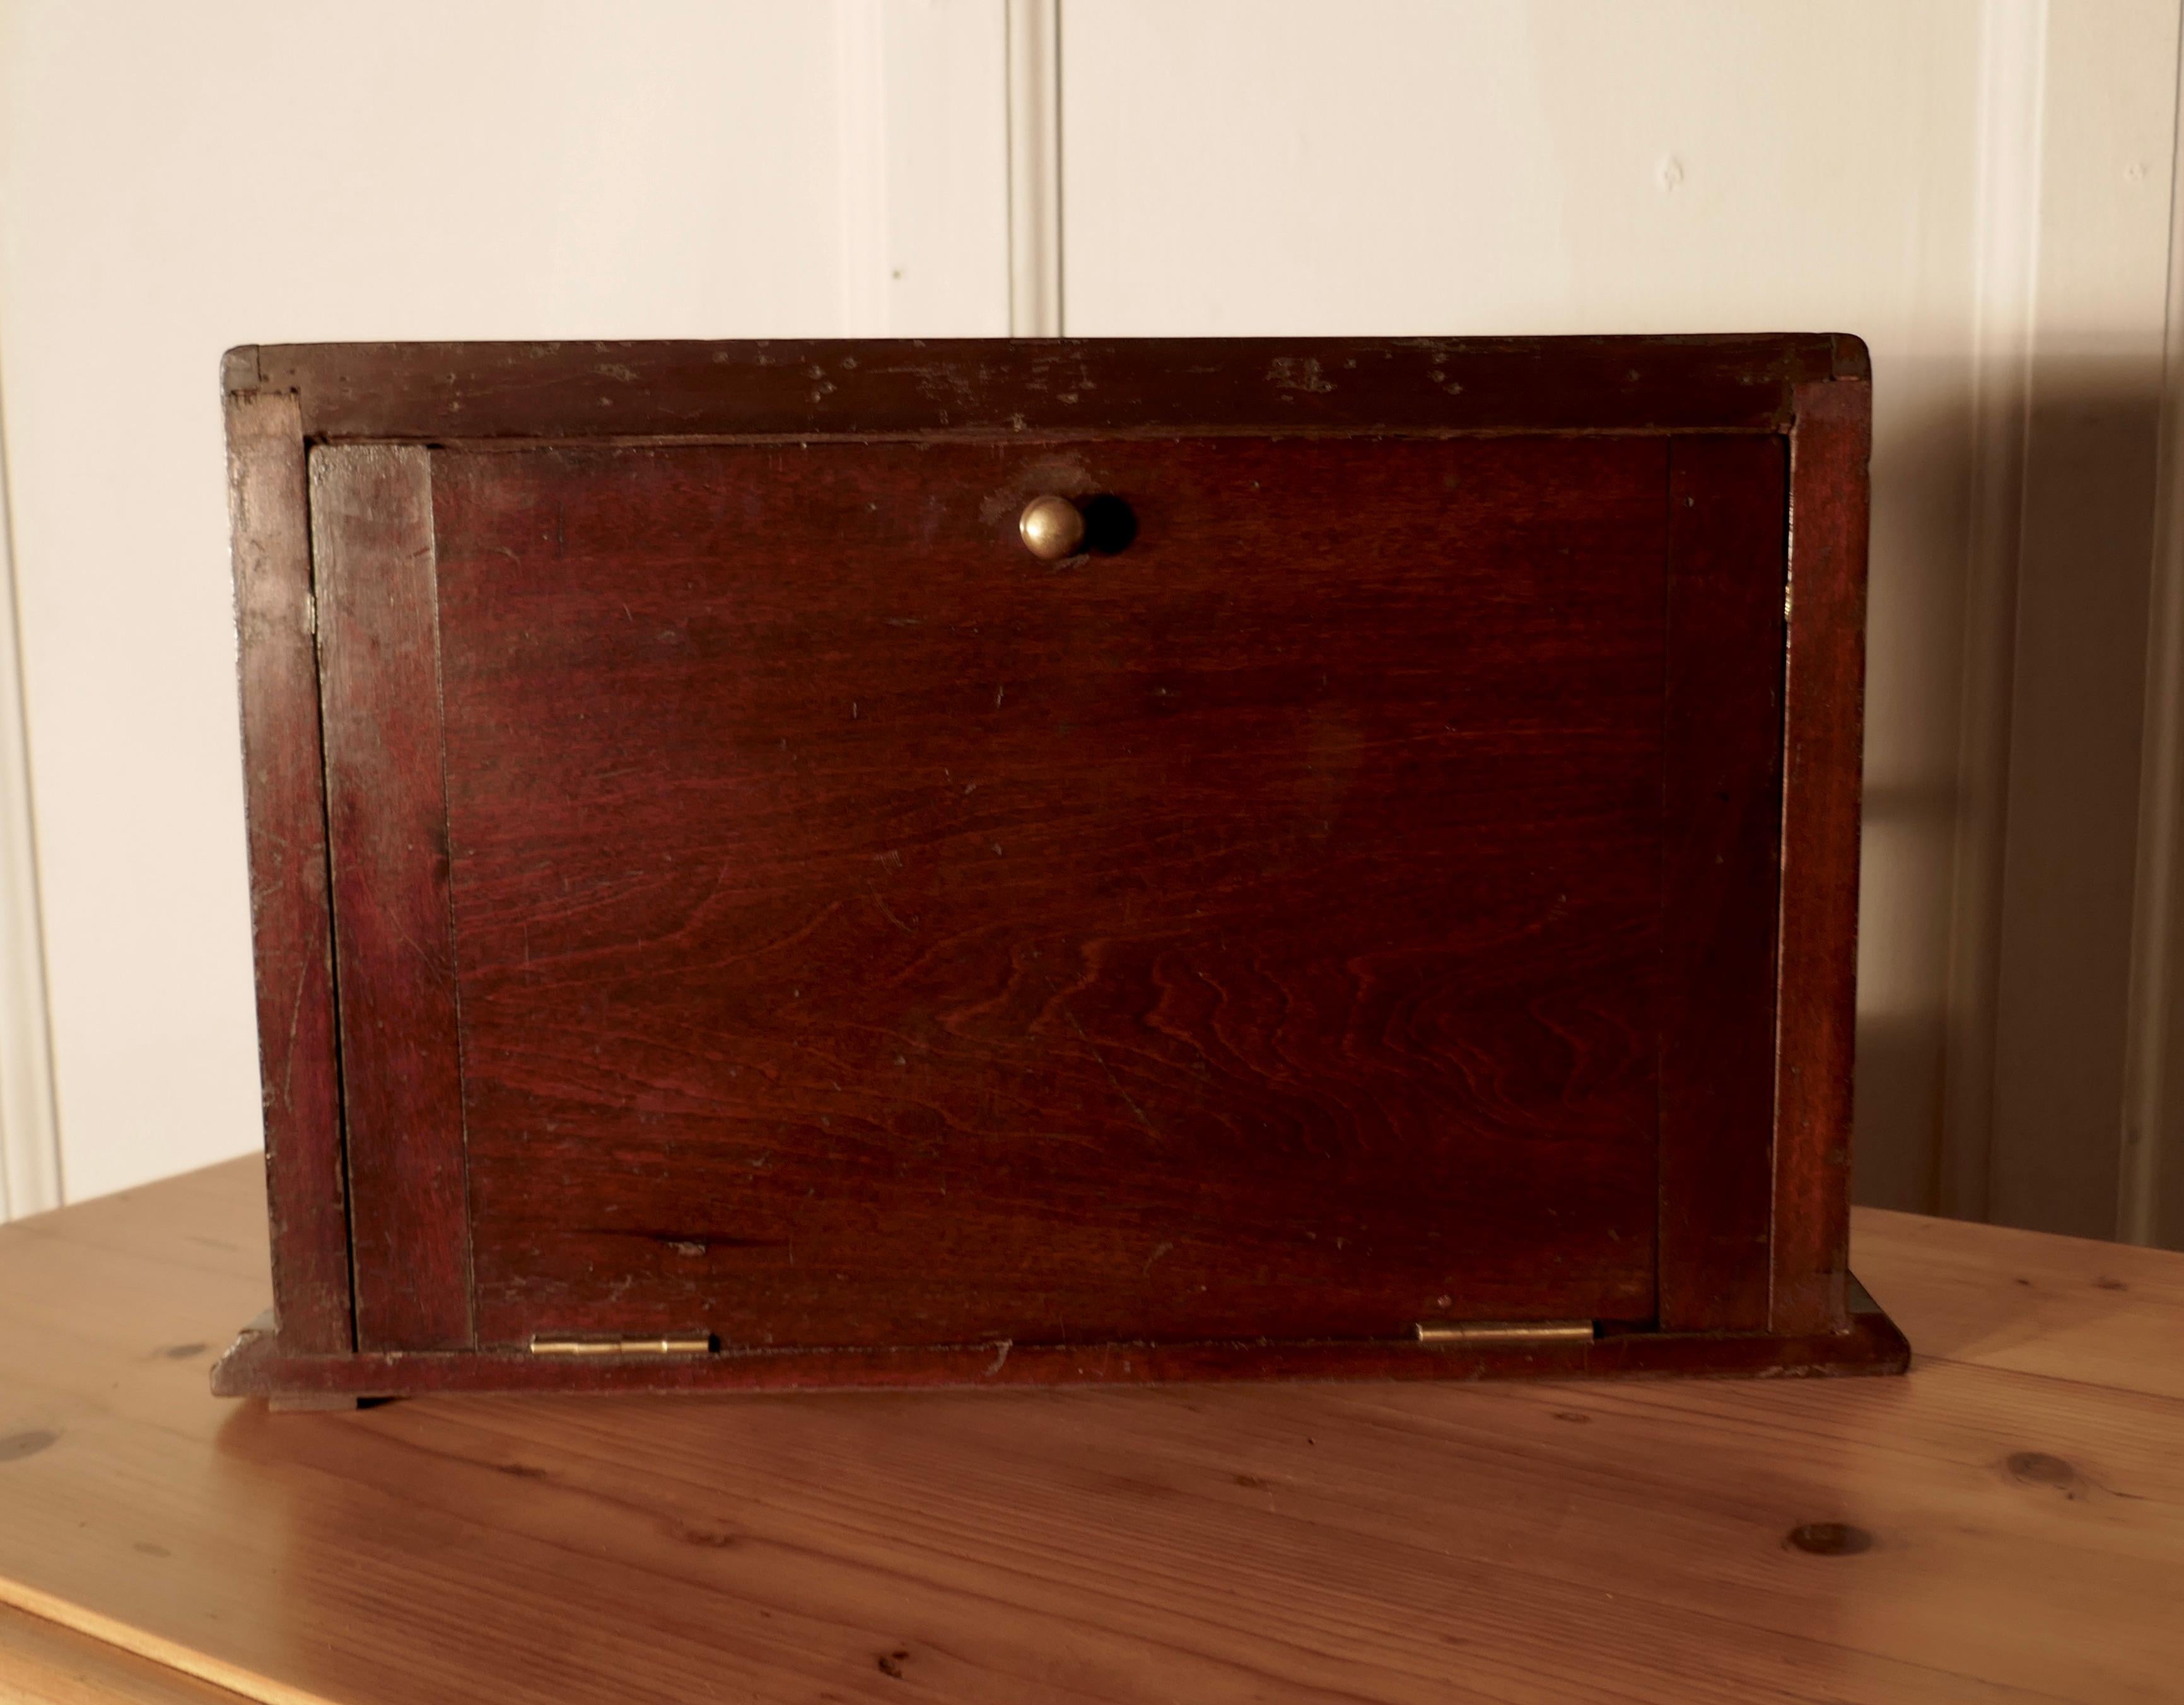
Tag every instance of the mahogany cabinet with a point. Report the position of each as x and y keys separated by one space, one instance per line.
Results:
x=894 y=862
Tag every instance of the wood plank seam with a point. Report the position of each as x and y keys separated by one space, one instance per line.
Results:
x=454 y=947
x=1818 y=921
x=385 y=795
x=285 y=818
x=327 y=854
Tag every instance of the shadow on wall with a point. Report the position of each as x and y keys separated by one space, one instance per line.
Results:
x=2025 y=1124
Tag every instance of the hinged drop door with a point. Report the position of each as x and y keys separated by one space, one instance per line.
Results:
x=772 y=902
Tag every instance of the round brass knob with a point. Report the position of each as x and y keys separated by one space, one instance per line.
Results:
x=1052 y=527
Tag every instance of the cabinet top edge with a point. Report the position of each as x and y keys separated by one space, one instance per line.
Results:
x=1733 y=382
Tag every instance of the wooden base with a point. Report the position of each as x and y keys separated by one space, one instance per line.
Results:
x=256 y=1365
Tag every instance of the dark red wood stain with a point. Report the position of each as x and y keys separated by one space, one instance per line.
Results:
x=1728 y=508
x=1405 y=870
x=870 y=935
x=1823 y=745
x=306 y=1178
x=371 y=525
x=1870 y=1344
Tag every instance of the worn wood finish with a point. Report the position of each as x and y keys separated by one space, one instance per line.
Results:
x=1823 y=713
x=434 y=392
x=387 y=806
x=291 y=922
x=2008 y=1520
x=256 y=1363
x=1728 y=505
x=1354 y=905
x=871 y=936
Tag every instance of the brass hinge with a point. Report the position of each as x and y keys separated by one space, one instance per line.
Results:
x=1514 y=1332
x=695 y=1344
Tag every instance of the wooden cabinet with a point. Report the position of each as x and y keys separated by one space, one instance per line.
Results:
x=729 y=913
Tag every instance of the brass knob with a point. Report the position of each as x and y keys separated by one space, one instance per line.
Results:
x=1052 y=527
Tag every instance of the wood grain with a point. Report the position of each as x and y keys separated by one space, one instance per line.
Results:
x=1363 y=860
x=291 y=921
x=1822 y=744
x=48 y=1663
x=387 y=806
x=871 y=936
x=1078 y=385
x=2019 y=1501
x=1722 y=799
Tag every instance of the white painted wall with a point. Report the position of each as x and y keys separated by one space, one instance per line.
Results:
x=1981 y=188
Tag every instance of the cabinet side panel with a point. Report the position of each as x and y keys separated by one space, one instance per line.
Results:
x=372 y=519
x=1723 y=797
x=291 y=920
x=1822 y=752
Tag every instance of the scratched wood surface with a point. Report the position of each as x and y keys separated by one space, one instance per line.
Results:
x=2005 y=1524
x=387 y=813
x=1178 y=1066
x=1824 y=711
x=868 y=935
x=290 y=927
x=796 y=388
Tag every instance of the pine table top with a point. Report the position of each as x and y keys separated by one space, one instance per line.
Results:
x=2004 y=1523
